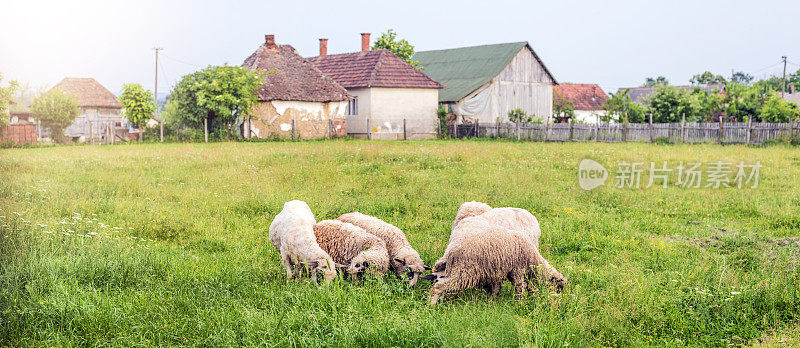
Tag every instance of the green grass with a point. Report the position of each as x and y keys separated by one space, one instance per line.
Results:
x=151 y=244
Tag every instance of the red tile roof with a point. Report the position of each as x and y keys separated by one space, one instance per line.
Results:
x=88 y=92
x=293 y=77
x=375 y=68
x=584 y=96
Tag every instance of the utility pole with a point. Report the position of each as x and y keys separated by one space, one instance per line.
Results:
x=160 y=122
x=783 y=83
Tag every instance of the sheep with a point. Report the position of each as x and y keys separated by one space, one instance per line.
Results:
x=350 y=245
x=488 y=254
x=402 y=257
x=292 y=233
x=467 y=209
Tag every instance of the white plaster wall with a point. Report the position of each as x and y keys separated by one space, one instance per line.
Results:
x=589 y=116
x=389 y=106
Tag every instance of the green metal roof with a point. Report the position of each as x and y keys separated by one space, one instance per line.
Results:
x=463 y=70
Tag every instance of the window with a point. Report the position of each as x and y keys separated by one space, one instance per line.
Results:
x=352 y=107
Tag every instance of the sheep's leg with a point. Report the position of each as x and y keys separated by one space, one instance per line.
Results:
x=288 y=264
x=518 y=277
x=496 y=288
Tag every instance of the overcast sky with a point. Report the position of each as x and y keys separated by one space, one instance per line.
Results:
x=612 y=43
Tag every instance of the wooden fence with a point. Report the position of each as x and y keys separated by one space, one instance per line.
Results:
x=723 y=133
x=18 y=133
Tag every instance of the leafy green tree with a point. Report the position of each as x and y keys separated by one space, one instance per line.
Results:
x=777 y=109
x=742 y=102
x=56 y=110
x=139 y=104
x=6 y=96
x=401 y=48
x=668 y=104
x=220 y=94
x=710 y=105
x=658 y=81
x=619 y=108
x=741 y=78
x=707 y=78
x=563 y=108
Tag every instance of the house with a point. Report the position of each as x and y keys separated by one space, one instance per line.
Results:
x=100 y=109
x=588 y=100
x=640 y=95
x=390 y=97
x=296 y=99
x=485 y=82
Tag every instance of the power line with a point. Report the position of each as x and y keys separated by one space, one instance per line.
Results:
x=183 y=62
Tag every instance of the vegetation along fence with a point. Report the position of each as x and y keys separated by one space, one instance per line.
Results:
x=723 y=133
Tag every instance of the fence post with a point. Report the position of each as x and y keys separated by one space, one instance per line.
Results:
x=455 y=129
x=719 y=131
x=597 y=130
x=749 y=127
x=571 y=126
x=625 y=130
x=369 y=130
x=205 y=128
x=497 y=129
x=405 y=136
x=546 y=130
x=477 y=128
x=517 y=129
x=652 y=135
x=683 y=126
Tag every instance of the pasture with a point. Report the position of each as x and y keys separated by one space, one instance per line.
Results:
x=166 y=244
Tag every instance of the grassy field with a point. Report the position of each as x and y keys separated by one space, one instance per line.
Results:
x=167 y=244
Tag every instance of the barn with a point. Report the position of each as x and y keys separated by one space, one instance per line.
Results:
x=100 y=110
x=485 y=82
x=296 y=99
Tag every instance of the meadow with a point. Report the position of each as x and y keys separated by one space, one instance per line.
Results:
x=166 y=244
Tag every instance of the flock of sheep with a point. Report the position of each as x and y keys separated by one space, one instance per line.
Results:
x=487 y=246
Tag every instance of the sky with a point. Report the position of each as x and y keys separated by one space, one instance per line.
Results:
x=612 y=43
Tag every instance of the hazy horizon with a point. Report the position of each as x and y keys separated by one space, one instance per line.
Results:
x=614 y=45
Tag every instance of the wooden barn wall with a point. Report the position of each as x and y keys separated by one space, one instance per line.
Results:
x=524 y=84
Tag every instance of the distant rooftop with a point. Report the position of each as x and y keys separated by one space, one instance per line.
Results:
x=584 y=96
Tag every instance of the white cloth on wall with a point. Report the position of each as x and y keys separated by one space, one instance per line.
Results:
x=481 y=106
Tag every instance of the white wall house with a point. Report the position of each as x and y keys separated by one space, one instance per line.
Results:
x=588 y=100
x=101 y=112
x=385 y=91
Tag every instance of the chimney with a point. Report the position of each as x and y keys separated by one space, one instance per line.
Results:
x=323 y=47
x=269 y=41
x=364 y=42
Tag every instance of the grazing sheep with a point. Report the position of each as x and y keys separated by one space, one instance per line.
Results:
x=402 y=257
x=292 y=233
x=487 y=254
x=467 y=209
x=350 y=245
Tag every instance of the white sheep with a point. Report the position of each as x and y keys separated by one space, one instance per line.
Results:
x=487 y=254
x=352 y=246
x=292 y=233
x=402 y=257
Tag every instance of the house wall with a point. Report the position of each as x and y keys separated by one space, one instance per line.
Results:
x=386 y=108
x=523 y=84
x=589 y=116
x=92 y=123
x=274 y=118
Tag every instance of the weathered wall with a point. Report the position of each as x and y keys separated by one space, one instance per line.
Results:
x=274 y=118
x=523 y=84
x=18 y=133
x=92 y=123
x=387 y=107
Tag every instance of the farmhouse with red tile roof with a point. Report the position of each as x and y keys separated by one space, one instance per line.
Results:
x=100 y=109
x=587 y=98
x=296 y=99
x=386 y=90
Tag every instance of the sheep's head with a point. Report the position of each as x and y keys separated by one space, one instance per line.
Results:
x=359 y=264
x=326 y=267
x=558 y=282
x=411 y=266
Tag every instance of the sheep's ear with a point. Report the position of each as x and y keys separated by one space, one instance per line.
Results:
x=427 y=268
x=429 y=277
x=402 y=262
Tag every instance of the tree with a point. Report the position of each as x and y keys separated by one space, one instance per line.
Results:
x=668 y=104
x=658 y=81
x=401 y=48
x=56 y=110
x=563 y=108
x=707 y=78
x=219 y=94
x=777 y=109
x=741 y=78
x=6 y=96
x=138 y=103
x=710 y=104
x=620 y=108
